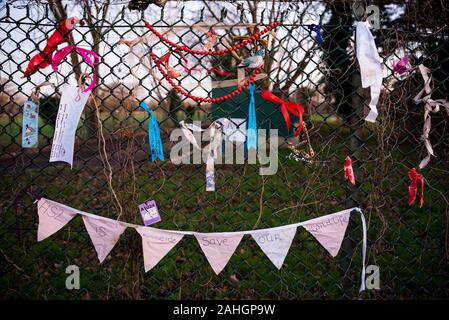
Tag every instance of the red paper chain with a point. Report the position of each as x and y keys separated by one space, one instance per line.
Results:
x=217 y=52
x=202 y=99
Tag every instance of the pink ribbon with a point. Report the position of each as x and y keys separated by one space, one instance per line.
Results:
x=401 y=66
x=90 y=57
x=213 y=70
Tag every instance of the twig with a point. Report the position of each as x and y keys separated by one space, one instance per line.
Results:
x=109 y=175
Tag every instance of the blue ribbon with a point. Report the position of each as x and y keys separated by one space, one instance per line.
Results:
x=154 y=135
x=317 y=30
x=251 y=132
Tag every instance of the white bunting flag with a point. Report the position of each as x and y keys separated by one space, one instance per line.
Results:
x=218 y=248
x=104 y=234
x=156 y=244
x=69 y=112
x=52 y=217
x=329 y=230
x=275 y=243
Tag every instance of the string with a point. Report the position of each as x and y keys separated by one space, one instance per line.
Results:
x=228 y=233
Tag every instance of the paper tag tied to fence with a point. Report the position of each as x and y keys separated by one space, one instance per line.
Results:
x=150 y=213
x=70 y=108
x=30 y=124
x=329 y=231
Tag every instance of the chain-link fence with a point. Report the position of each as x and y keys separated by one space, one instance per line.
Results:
x=408 y=244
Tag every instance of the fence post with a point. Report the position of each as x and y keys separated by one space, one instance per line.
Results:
x=352 y=200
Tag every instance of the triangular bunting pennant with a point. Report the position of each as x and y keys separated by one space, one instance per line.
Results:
x=218 y=248
x=156 y=244
x=52 y=217
x=329 y=231
x=104 y=234
x=275 y=243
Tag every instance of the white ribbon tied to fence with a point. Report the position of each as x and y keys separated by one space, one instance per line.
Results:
x=430 y=106
x=370 y=66
x=218 y=247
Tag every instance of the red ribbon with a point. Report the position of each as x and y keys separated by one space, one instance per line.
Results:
x=416 y=181
x=286 y=107
x=349 y=172
x=185 y=64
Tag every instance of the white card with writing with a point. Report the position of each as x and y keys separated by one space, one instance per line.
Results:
x=70 y=108
x=275 y=243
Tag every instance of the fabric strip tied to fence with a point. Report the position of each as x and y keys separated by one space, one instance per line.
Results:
x=251 y=134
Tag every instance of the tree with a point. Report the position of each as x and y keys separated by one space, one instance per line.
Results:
x=94 y=13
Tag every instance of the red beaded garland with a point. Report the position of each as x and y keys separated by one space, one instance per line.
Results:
x=219 y=52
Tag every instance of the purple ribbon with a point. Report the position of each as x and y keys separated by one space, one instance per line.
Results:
x=89 y=56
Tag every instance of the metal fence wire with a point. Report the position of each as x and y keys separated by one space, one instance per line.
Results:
x=408 y=244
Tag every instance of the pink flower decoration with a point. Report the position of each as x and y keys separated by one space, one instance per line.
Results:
x=401 y=65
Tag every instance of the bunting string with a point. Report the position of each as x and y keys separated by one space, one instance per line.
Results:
x=218 y=247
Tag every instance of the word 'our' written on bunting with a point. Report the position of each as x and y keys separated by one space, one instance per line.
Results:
x=218 y=247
